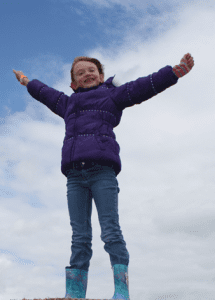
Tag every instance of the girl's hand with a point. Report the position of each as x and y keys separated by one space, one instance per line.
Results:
x=185 y=66
x=188 y=59
x=18 y=74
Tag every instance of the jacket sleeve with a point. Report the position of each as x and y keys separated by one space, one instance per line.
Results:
x=56 y=101
x=144 y=88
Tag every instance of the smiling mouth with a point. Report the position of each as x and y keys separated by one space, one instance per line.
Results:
x=89 y=80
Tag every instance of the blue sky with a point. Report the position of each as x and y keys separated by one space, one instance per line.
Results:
x=39 y=38
x=166 y=199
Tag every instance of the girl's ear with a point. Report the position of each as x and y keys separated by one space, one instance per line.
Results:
x=101 y=76
x=73 y=85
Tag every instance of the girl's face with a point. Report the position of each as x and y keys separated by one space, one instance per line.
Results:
x=86 y=75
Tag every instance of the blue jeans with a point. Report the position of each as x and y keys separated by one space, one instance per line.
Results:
x=98 y=182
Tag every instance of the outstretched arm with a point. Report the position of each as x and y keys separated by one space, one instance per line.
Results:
x=185 y=66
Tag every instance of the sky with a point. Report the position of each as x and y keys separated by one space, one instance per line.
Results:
x=167 y=181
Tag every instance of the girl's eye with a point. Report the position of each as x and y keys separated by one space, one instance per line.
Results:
x=82 y=72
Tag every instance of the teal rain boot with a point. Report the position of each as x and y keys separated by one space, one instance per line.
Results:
x=76 y=283
x=121 y=282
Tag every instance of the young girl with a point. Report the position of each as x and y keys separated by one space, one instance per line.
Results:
x=91 y=161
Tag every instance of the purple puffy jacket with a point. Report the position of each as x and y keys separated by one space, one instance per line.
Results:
x=90 y=114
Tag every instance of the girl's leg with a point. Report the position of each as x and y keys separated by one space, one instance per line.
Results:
x=104 y=186
x=79 y=199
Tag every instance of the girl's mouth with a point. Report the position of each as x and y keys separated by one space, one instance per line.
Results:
x=89 y=80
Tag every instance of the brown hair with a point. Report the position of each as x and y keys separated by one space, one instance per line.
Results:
x=86 y=58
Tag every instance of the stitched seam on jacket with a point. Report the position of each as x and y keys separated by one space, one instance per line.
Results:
x=89 y=135
x=57 y=102
x=153 y=84
x=107 y=112
x=41 y=89
x=129 y=97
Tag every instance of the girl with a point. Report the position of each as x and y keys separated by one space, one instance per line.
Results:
x=91 y=161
